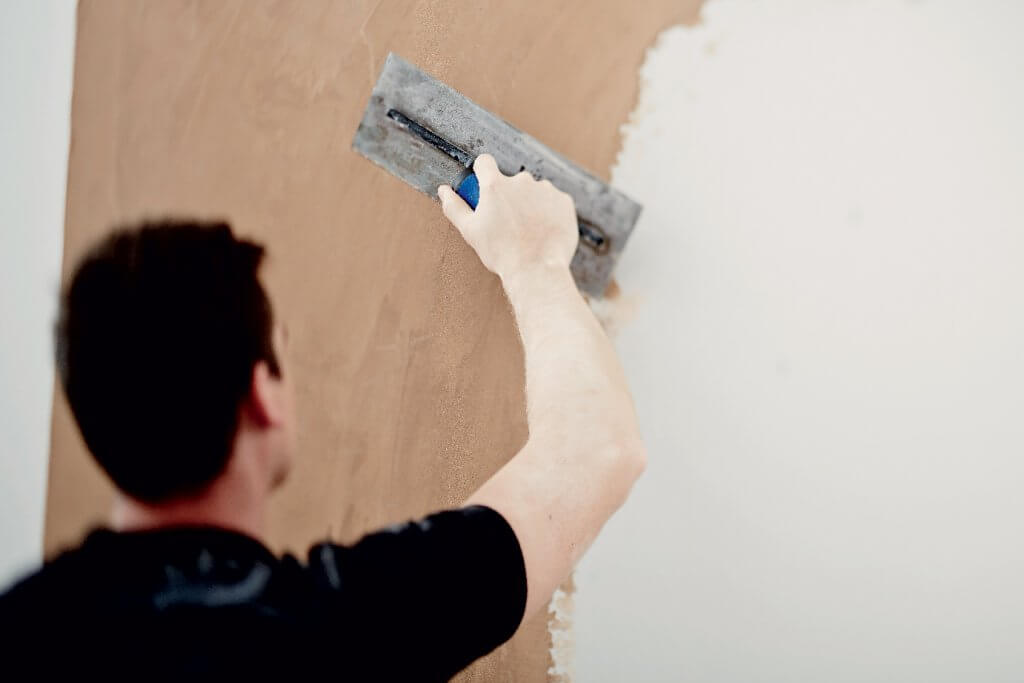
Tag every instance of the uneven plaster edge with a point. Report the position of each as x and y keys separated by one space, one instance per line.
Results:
x=613 y=311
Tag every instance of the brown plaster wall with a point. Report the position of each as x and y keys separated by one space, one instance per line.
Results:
x=406 y=357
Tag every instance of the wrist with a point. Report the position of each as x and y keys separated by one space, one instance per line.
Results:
x=539 y=278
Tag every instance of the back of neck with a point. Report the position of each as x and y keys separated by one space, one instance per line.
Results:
x=236 y=500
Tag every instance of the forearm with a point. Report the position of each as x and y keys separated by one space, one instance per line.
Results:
x=576 y=394
x=584 y=451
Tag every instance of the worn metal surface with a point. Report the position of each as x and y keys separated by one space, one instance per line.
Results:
x=606 y=215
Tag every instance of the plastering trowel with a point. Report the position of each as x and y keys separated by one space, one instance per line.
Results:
x=428 y=134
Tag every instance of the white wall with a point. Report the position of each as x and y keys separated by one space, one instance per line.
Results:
x=36 y=54
x=827 y=351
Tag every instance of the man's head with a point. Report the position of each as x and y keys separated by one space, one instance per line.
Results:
x=166 y=351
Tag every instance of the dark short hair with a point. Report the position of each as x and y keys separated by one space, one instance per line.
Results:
x=158 y=333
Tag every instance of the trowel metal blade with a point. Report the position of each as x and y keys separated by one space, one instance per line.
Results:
x=410 y=112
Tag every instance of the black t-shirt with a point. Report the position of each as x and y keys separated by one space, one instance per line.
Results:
x=414 y=602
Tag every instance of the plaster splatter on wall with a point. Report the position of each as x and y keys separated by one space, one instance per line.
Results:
x=560 y=625
x=824 y=348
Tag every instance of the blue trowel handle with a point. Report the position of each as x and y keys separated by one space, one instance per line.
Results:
x=469 y=190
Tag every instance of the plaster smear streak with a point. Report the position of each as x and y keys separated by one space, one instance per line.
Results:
x=824 y=347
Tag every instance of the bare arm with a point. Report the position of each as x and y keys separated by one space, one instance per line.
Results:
x=584 y=450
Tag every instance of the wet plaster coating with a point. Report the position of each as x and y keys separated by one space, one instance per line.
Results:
x=406 y=357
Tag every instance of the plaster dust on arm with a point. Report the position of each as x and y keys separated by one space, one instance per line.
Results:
x=584 y=450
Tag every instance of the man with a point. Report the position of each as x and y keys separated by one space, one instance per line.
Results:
x=177 y=377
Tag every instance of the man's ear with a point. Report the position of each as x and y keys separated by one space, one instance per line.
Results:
x=265 y=404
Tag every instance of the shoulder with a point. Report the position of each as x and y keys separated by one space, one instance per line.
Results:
x=445 y=589
x=466 y=558
x=446 y=537
x=45 y=585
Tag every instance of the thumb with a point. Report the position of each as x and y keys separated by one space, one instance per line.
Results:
x=454 y=208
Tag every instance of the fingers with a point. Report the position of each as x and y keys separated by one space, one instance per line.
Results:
x=454 y=208
x=486 y=169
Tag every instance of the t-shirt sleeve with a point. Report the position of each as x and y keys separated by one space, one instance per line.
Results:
x=427 y=597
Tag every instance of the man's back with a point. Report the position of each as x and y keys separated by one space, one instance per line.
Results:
x=416 y=602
